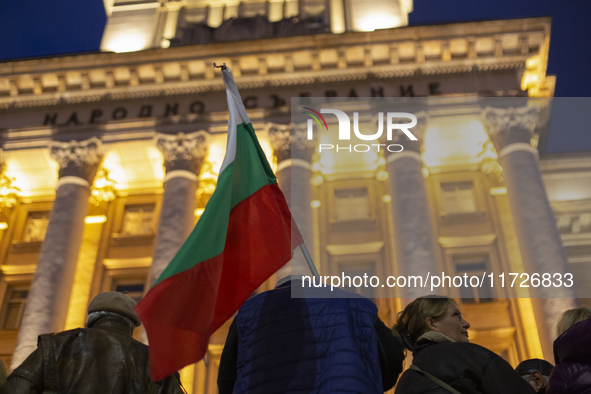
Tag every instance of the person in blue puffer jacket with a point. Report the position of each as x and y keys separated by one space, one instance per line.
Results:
x=283 y=344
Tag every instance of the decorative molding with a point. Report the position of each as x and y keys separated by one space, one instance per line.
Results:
x=9 y=194
x=477 y=240
x=82 y=153
x=519 y=146
x=74 y=180
x=580 y=260
x=27 y=83
x=103 y=188
x=141 y=262
x=580 y=239
x=18 y=269
x=288 y=141
x=511 y=125
x=340 y=250
x=77 y=159
x=183 y=151
x=181 y=174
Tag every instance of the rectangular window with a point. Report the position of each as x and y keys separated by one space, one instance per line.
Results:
x=474 y=265
x=352 y=204
x=458 y=197
x=132 y=287
x=14 y=306
x=36 y=226
x=138 y=219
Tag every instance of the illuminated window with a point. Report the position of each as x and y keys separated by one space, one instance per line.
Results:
x=36 y=226
x=474 y=265
x=351 y=204
x=458 y=197
x=138 y=220
x=14 y=306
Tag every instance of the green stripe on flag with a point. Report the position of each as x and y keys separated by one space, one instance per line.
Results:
x=251 y=169
x=248 y=173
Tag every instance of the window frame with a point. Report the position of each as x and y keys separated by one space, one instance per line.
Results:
x=480 y=246
x=6 y=282
x=152 y=224
x=359 y=254
x=338 y=225
x=120 y=239
x=479 y=215
x=18 y=245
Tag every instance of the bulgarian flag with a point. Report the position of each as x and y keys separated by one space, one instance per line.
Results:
x=243 y=237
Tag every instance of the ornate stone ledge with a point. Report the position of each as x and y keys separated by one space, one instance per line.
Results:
x=444 y=49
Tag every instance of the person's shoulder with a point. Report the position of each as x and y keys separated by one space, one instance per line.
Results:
x=478 y=349
x=466 y=349
x=73 y=332
x=63 y=336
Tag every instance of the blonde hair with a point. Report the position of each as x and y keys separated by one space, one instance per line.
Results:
x=570 y=318
x=411 y=322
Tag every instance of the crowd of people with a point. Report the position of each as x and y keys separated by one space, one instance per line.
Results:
x=302 y=340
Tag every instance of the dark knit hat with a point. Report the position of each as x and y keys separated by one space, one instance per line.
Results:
x=119 y=303
x=535 y=364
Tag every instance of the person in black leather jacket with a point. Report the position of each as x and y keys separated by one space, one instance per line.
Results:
x=102 y=358
x=436 y=332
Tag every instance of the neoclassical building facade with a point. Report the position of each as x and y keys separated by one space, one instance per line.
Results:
x=108 y=161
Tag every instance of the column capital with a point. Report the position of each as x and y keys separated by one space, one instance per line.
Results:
x=510 y=126
x=399 y=137
x=183 y=151
x=77 y=158
x=290 y=141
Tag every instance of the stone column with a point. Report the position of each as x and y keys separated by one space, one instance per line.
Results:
x=183 y=157
x=511 y=131
x=47 y=304
x=294 y=173
x=414 y=236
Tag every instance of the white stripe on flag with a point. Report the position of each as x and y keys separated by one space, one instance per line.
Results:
x=237 y=116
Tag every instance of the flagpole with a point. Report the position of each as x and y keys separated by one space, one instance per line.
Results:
x=303 y=247
x=309 y=261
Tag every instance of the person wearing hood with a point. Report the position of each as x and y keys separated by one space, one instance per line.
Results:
x=572 y=354
x=444 y=360
x=102 y=358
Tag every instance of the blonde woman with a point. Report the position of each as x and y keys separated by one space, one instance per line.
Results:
x=572 y=354
x=444 y=360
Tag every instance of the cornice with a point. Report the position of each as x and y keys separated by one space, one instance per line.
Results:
x=200 y=86
x=395 y=53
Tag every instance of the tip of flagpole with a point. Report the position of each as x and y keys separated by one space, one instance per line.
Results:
x=223 y=66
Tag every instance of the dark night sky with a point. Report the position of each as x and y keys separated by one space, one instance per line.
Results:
x=31 y=28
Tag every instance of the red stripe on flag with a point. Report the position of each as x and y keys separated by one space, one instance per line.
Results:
x=184 y=310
